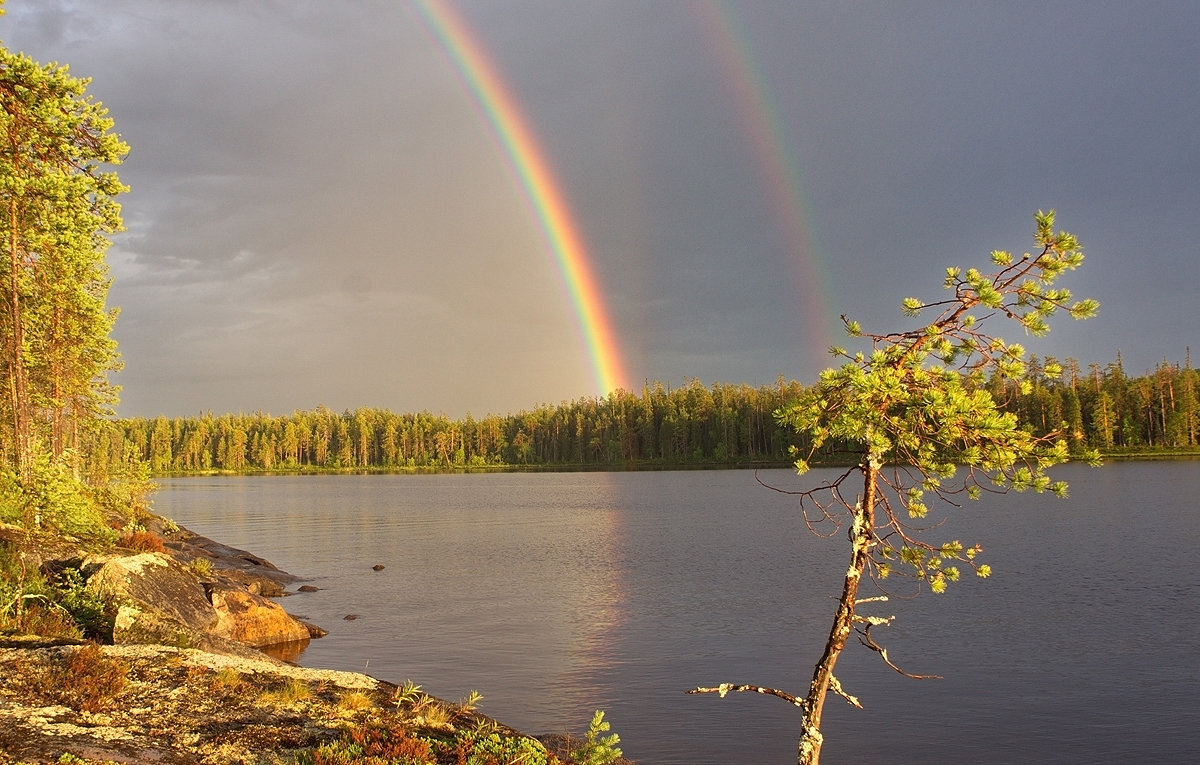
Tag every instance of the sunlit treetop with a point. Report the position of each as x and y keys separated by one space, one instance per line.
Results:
x=916 y=411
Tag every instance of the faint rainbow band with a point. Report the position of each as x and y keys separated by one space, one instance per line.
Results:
x=780 y=171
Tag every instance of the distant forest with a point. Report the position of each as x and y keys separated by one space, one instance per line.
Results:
x=692 y=425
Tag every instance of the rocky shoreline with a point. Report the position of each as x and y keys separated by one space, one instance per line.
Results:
x=185 y=681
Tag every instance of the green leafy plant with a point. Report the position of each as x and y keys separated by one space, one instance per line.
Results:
x=496 y=749
x=916 y=417
x=373 y=743
x=406 y=694
x=52 y=499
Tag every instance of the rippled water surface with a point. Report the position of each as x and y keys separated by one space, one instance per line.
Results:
x=555 y=594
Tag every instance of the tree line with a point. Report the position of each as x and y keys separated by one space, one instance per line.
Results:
x=690 y=425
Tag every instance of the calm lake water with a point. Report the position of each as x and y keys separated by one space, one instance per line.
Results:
x=555 y=594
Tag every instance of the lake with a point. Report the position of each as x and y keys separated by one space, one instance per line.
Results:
x=554 y=594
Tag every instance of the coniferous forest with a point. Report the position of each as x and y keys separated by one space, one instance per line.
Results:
x=660 y=426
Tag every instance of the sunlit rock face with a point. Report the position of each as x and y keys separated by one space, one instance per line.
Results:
x=254 y=620
x=161 y=601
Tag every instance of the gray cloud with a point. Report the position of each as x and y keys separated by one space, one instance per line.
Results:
x=320 y=213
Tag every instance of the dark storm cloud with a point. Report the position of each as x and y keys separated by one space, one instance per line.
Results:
x=320 y=213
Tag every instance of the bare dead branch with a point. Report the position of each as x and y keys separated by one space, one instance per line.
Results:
x=725 y=688
x=864 y=637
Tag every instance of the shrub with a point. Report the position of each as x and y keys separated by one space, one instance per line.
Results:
x=497 y=749
x=54 y=500
x=373 y=743
x=127 y=491
x=87 y=681
x=28 y=602
x=85 y=607
x=597 y=749
x=142 y=541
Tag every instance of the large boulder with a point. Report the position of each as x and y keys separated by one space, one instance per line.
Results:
x=254 y=620
x=157 y=590
x=161 y=602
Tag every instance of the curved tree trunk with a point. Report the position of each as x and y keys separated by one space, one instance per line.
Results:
x=809 y=752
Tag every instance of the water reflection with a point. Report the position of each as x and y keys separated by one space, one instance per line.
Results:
x=556 y=594
x=289 y=651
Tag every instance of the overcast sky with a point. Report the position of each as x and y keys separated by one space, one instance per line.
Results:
x=321 y=214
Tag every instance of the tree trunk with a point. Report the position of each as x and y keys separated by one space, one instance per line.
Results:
x=809 y=752
x=17 y=383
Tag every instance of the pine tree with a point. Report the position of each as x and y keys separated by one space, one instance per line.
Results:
x=917 y=413
x=57 y=207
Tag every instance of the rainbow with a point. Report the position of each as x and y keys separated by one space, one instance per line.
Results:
x=550 y=204
x=761 y=122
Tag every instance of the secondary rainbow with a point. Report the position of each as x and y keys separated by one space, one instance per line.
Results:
x=549 y=203
x=780 y=171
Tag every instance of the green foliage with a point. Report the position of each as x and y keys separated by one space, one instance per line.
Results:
x=917 y=415
x=597 y=749
x=27 y=599
x=88 y=610
x=404 y=738
x=483 y=748
x=201 y=567
x=60 y=606
x=691 y=424
x=127 y=487
x=59 y=206
x=54 y=500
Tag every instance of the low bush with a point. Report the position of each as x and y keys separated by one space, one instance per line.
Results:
x=93 y=616
x=87 y=680
x=406 y=741
x=597 y=749
x=52 y=499
x=201 y=567
x=141 y=540
x=57 y=606
x=373 y=743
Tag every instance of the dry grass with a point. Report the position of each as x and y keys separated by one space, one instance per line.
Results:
x=289 y=691
x=355 y=701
